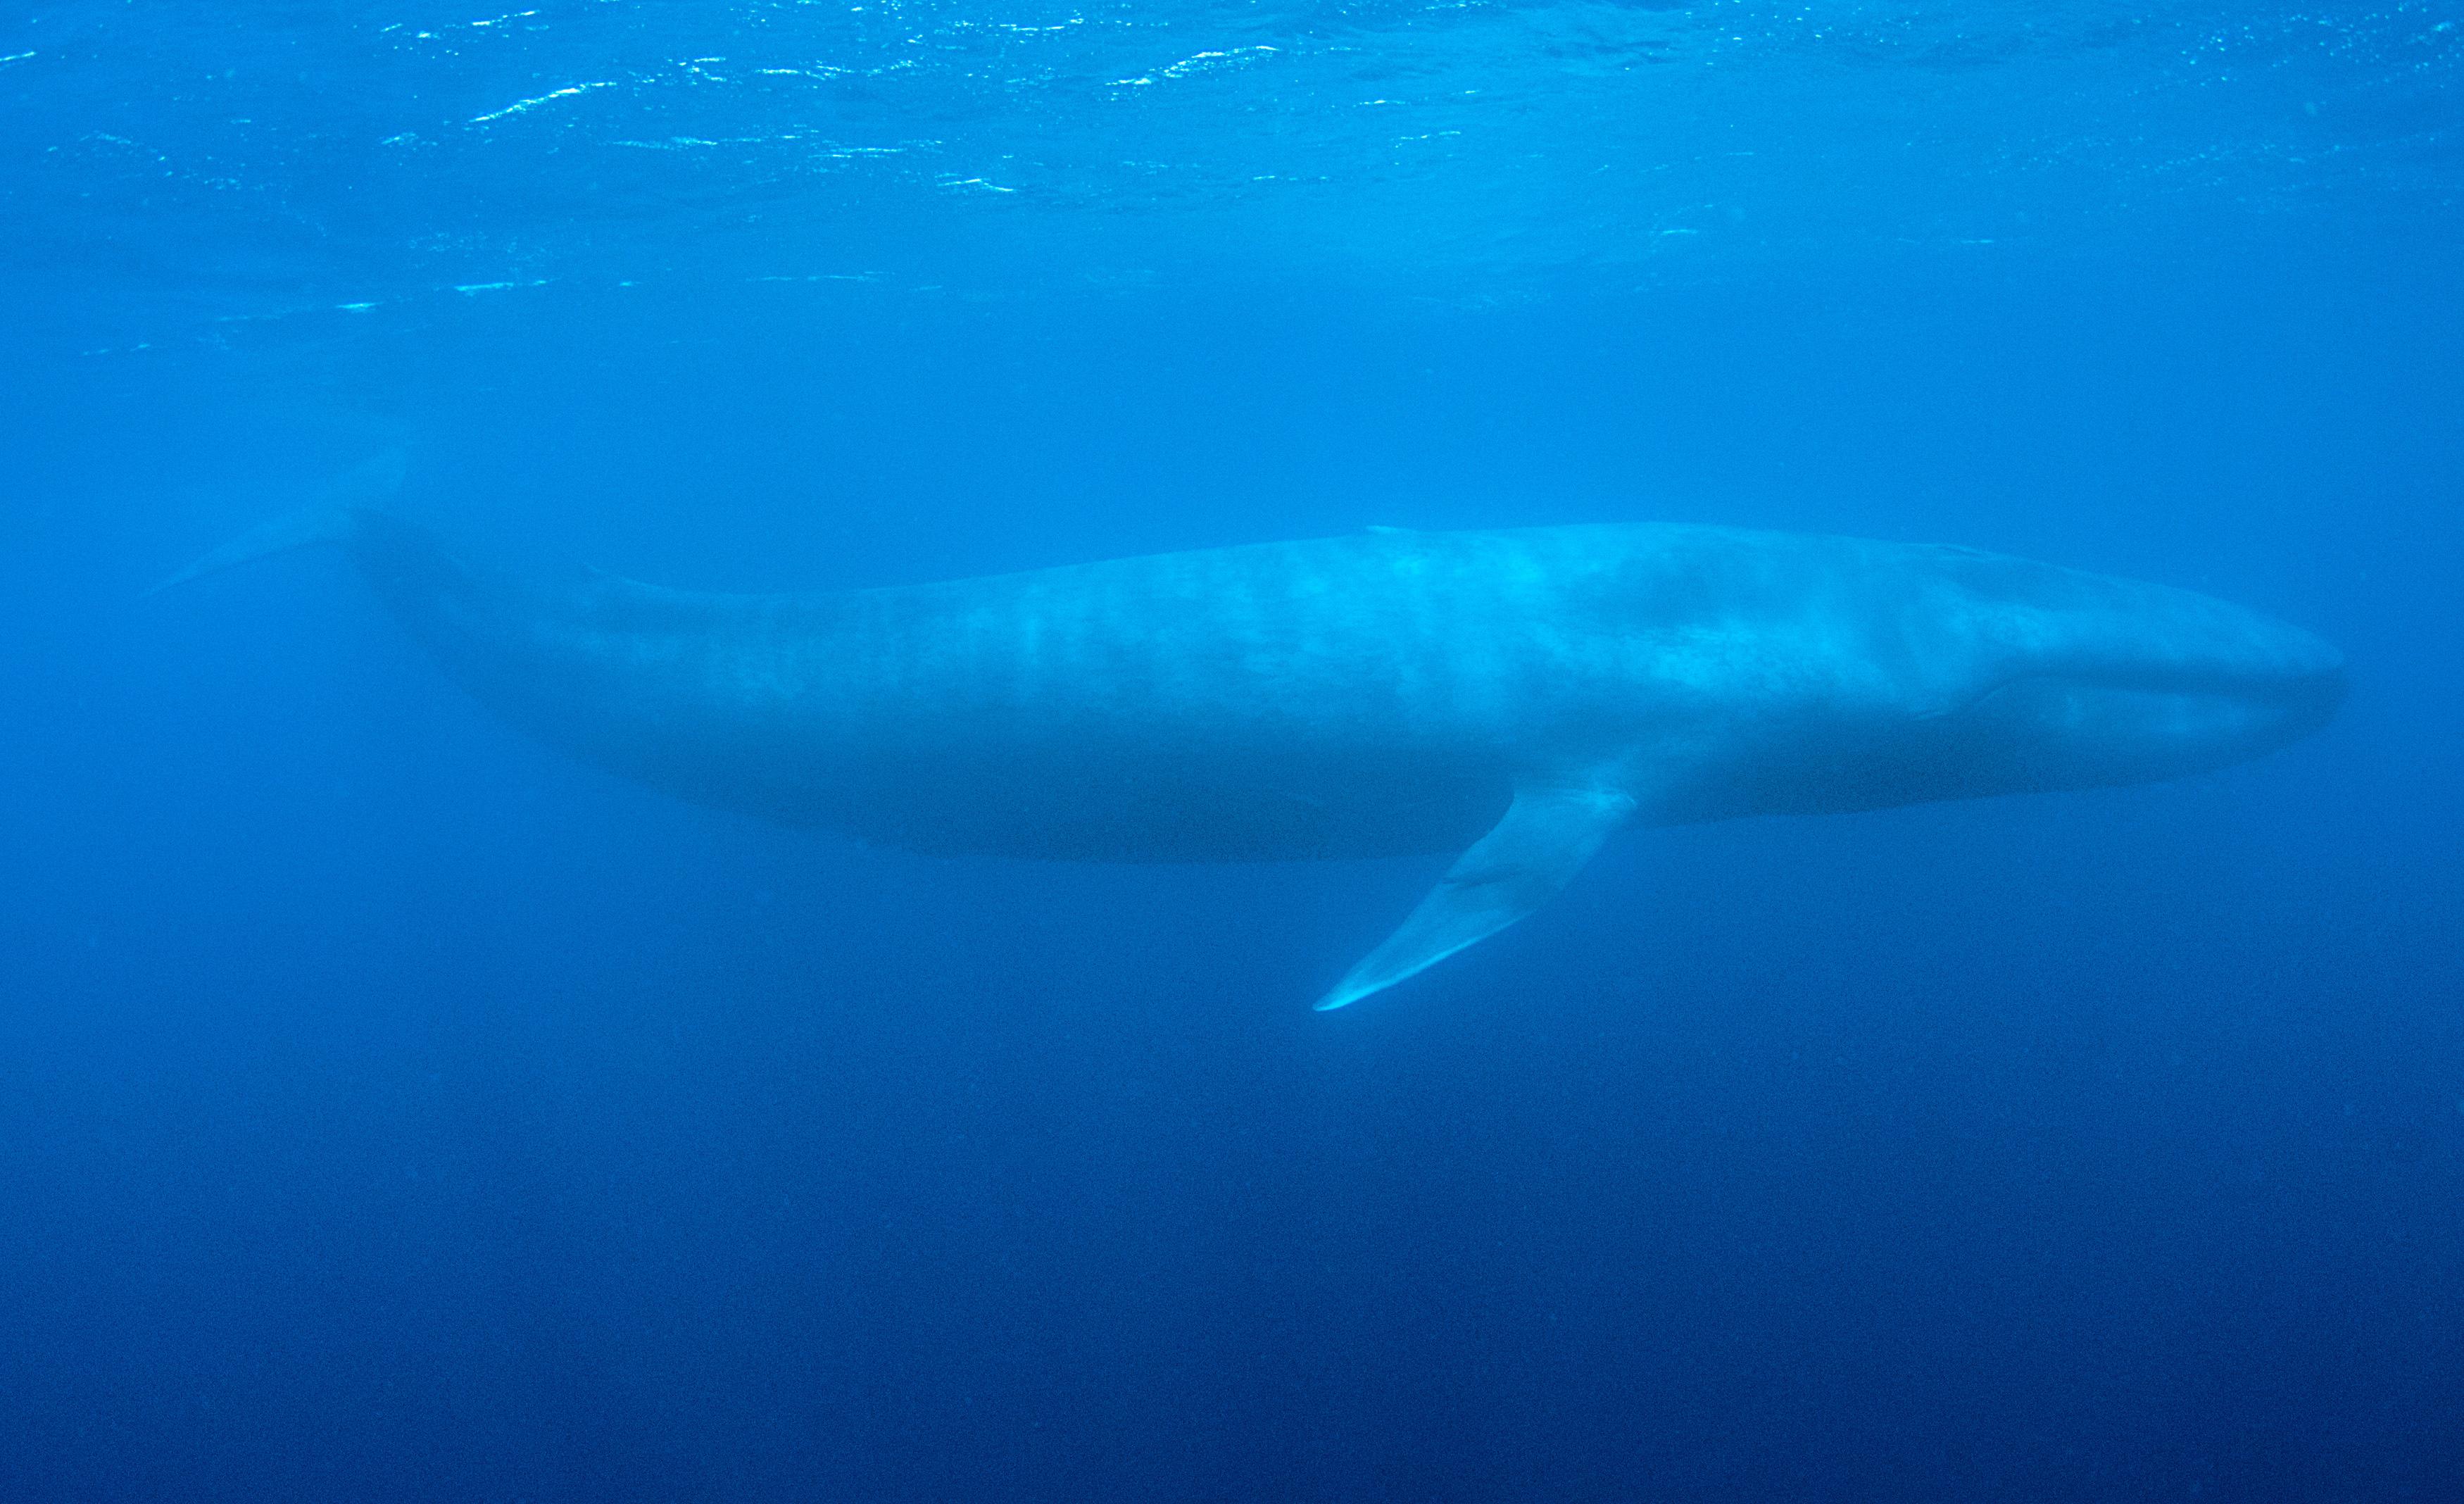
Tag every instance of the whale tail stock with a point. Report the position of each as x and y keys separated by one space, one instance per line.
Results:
x=339 y=517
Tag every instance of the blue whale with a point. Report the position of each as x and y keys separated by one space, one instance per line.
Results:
x=1515 y=696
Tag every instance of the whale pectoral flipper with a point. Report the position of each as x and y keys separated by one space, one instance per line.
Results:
x=1548 y=833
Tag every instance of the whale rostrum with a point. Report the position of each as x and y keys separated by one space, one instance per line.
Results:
x=1516 y=695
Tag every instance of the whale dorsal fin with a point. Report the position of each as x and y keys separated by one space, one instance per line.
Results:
x=1548 y=833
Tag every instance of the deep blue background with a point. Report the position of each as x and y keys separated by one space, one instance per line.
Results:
x=391 y=1110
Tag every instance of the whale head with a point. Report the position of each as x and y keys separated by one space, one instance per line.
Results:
x=2074 y=680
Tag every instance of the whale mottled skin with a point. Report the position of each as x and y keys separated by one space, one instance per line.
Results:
x=1514 y=696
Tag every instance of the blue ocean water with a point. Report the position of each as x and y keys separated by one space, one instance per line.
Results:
x=392 y=1110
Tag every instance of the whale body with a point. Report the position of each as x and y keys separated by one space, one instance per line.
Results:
x=1515 y=696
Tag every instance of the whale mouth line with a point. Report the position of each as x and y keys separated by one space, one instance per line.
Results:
x=2234 y=711
x=2288 y=687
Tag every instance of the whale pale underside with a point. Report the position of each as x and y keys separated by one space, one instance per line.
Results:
x=1516 y=696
